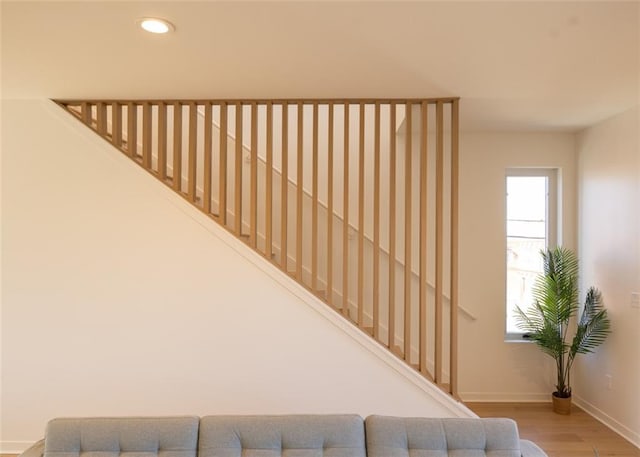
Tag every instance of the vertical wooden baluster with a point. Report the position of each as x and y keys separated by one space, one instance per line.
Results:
x=422 y=348
x=376 y=223
x=177 y=147
x=361 y=219
x=407 y=236
x=345 y=215
x=101 y=115
x=162 y=141
x=222 y=202
x=238 y=171
x=116 y=125
x=314 y=207
x=269 y=185
x=132 y=129
x=146 y=135
x=330 y=207
x=392 y=225
x=284 y=193
x=253 y=205
x=453 y=319
x=208 y=143
x=299 y=191
x=86 y=113
x=437 y=376
x=193 y=150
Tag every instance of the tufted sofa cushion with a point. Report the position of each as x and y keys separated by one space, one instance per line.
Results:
x=282 y=436
x=430 y=437
x=122 y=437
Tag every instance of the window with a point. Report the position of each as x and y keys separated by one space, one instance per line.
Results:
x=531 y=203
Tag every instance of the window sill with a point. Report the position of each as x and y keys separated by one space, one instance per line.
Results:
x=517 y=338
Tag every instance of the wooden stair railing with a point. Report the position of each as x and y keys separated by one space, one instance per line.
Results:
x=389 y=168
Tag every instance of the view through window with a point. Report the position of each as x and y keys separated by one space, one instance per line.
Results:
x=530 y=228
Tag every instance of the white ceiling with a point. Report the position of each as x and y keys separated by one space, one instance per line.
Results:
x=515 y=65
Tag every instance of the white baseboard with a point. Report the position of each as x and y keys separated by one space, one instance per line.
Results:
x=620 y=429
x=489 y=397
x=14 y=447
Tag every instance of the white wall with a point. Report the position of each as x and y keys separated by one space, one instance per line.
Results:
x=119 y=298
x=490 y=369
x=609 y=209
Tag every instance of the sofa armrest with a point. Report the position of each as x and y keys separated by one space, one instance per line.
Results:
x=530 y=449
x=37 y=450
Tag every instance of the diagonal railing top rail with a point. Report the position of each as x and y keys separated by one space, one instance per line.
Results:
x=386 y=167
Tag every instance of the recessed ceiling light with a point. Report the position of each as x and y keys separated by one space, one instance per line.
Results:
x=155 y=25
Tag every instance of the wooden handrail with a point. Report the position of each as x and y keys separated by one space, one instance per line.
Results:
x=262 y=101
x=388 y=189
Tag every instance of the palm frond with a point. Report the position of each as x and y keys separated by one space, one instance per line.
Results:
x=557 y=289
x=542 y=330
x=593 y=327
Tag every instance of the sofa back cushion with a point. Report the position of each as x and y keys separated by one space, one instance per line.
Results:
x=282 y=436
x=122 y=437
x=431 y=437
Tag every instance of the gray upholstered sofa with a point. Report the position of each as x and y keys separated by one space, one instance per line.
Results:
x=282 y=436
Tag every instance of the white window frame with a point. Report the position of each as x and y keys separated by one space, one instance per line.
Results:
x=552 y=227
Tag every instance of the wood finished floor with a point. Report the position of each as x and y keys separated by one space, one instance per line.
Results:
x=560 y=436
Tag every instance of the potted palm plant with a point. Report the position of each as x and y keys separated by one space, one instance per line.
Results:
x=548 y=322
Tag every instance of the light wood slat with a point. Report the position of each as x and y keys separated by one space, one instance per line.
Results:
x=177 y=147
x=238 y=172
x=453 y=318
x=222 y=192
x=116 y=125
x=361 y=219
x=284 y=193
x=162 y=141
x=269 y=185
x=299 y=191
x=437 y=375
x=86 y=113
x=193 y=150
x=253 y=198
x=392 y=225
x=208 y=143
x=146 y=135
x=314 y=207
x=407 y=236
x=376 y=223
x=330 y=206
x=345 y=215
x=132 y=129
x=423 y=239
x=101 y=118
